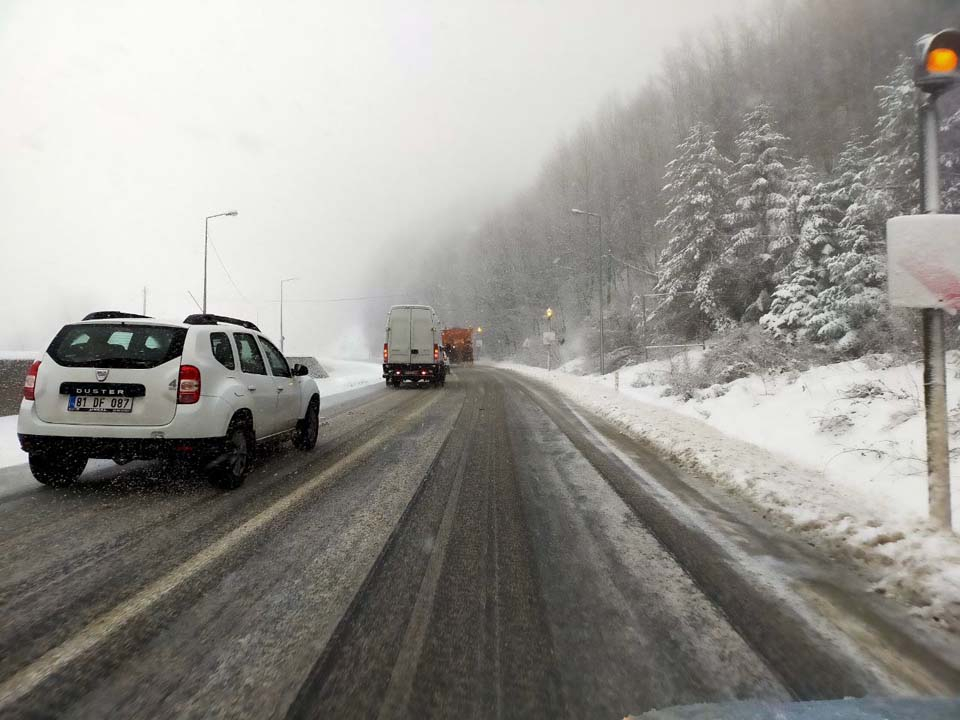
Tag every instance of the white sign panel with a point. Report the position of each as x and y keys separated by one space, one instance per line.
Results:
x=923 y=261
x=549 y=338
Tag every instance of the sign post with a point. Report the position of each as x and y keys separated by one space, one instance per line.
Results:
x=921 y=250
x=549 y=339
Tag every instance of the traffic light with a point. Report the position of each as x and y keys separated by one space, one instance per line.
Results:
x=938 y=61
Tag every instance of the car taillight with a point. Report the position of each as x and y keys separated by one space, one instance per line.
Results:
x=384 y=352
x=436 y=353
x=30 y=383
x=188 y=389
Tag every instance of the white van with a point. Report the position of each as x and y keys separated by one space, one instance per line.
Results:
x=411 y=350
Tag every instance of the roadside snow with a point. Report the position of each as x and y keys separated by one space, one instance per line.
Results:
x=20 y=354
x=10 y=452
x=838 y=451
x=348 y=375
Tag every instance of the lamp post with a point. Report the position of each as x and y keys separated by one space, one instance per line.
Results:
x=600 y=236
x=285 y=280
x=206 y=240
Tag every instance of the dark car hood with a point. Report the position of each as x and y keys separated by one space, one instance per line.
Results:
x=863 y=709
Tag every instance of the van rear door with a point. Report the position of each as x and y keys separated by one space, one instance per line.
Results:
x=398 y=336
x=422 y=335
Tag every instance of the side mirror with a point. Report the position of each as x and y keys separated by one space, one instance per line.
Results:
x=300 y=370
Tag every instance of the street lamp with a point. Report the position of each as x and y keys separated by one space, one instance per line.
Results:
x=285 y=280
x=600 y=235
x=206 y=237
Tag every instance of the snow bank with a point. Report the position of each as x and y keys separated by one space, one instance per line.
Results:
x=10 y=452
x=837 y=451
x=348 y=375
x=20 y=354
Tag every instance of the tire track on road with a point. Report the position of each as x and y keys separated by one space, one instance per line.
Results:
x=146 y=601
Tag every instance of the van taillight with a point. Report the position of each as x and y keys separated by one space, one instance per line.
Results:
x=188 y=389
x=30 y=383
x=436 y=353
x=384 y=352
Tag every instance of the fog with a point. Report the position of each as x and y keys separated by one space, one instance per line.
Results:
x=338 y=131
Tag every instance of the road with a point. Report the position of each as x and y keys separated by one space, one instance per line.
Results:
x=479 y=551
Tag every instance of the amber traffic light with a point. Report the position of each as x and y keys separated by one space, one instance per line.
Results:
x=938 y=61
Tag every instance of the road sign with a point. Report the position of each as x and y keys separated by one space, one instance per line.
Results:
x=923 y=258
x=549 y=338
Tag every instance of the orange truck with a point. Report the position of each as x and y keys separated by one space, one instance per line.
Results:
x=458 y=342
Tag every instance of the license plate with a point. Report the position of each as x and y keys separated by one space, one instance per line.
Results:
x=88 y=403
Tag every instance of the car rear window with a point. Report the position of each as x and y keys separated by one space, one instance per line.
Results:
x=116 y=345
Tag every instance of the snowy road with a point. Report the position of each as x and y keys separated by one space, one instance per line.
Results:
x=483 y=550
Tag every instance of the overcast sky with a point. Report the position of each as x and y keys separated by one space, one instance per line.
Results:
x=332 y=127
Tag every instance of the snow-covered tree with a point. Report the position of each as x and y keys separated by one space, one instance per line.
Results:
x=695 y=190
x=856 y=267
x=888 y=185
x=760 y=220
x=950 y=163
x=803 y=294
x=894 y=176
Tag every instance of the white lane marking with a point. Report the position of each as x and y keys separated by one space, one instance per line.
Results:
x=29 y=678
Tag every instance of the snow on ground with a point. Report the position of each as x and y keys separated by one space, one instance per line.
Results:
x=20 y=354
x=348 y=375
x=838 y=451
x=10 y=452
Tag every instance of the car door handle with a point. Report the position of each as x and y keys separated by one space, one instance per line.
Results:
x=252 y=388
x=279 y=390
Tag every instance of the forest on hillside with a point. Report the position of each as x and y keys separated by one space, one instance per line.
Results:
x=746 y=184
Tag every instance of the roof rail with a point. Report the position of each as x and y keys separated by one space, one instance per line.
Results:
x=112 y=315
x=210 y=319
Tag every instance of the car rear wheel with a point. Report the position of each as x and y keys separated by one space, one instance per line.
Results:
x=308 y=428
x=228 y=473
x=57 y=470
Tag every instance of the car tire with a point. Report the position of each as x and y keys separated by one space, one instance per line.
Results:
x=239 y=445
x=56 y=470
x=308 y=429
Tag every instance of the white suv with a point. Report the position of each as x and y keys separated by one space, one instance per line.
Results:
x=124 y=387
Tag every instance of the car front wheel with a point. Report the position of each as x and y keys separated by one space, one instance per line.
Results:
x=305 y=437
x=56 y=470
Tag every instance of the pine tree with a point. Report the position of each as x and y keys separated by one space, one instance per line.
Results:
x=804 y=293
x=803 y=182
x=950 y=163
x=761 y=217
x=694 y=193
x=894 y=176
x=856 y=271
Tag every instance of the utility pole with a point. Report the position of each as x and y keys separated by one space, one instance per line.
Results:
x=286 y=280
x=206 y=241
x=602 y=294
x=144 y=300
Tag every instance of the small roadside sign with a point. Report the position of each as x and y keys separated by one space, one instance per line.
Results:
x=549 y=338
x=923 y=261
